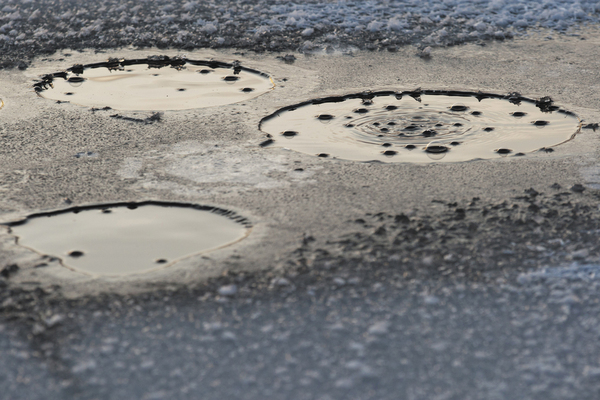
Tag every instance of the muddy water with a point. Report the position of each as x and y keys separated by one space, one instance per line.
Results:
x=141 y=86
x=123 y=239
x=421 y=127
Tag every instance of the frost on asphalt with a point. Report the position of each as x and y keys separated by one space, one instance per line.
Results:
x=29 y=27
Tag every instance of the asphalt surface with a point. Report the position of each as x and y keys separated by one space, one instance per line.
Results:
x=475 y=280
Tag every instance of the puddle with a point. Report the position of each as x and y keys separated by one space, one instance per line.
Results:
x=154 y=83
x=126 y=238
x=423 y=126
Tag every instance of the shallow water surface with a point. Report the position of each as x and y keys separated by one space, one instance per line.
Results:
x=127 y=238
x=140 y=85
x=421 y=127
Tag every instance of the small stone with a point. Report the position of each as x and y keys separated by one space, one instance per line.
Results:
x=227 y=290
x=577 y=188
x=449 y=257
x=379 y=328
x=54 y=320
x=344 y=383
x=84 y=366
x=281 y=282
x=9 y=270
x=580 y=254
x=339 y=281
x=431 y=300
x=228 y=335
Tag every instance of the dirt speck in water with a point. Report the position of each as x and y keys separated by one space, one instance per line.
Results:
x=485 y=126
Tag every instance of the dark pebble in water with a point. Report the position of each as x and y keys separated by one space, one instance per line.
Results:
x=410 y=146
x=458 y=124
x=376 y=123
x=203 y=71
x=390 y=153
x=349 y=126
x=429 y=133
x=325 y=117
x=76 y=79
x=391 y=108
x=391 y=123
x=519 y=154
x=577 y=188
x=459 y=107
x=540 y=123
x=181 y=90
x=436 y=149
x=289 y=133
x=438 y=125
x=387 y=145
x=231 y=78
x=488 y=129
x=384 y=129
x=69 y=93
x=503 y=151
x=266 y=143
x=247 y=90
x=454 y=143
x=518 y=114
x=411 y=128
x=299 y=169
x=323 y=155
x=476 y=113
x=161 y=261
x=547 y=149
x=361 y=111
x=106 y=211
x=76 y=254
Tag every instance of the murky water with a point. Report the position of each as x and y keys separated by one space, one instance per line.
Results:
x=421 y=127
x=155 y=84
x=127 y=238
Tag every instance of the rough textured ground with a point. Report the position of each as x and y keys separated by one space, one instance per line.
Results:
x=474 y=280
x=31 y=27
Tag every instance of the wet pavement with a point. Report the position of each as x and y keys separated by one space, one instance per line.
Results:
x=417 y=280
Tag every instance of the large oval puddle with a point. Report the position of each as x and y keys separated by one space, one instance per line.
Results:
x=421 y=126
x=154 y=83
x=126 y=238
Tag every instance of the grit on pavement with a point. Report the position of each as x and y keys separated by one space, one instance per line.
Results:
x=470 y=280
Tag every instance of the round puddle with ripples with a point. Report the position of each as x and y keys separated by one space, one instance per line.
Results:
x=126 y=238
x=421 y=126
x=154 y=83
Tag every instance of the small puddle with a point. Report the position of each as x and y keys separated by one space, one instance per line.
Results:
x=154 y=83
x=423 y=126
x=127 y=238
